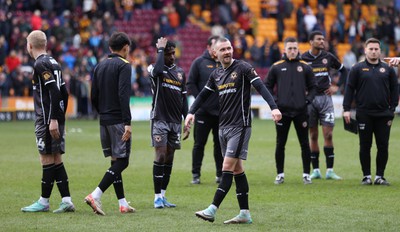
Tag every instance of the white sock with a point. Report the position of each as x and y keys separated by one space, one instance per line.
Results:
x=123 y=202
x=369 y=176
x=44 y=201
x=66 y=200
x=305 y=174
x=96 y=194
x=157 y=195
x=163 y=192
x=244 y=211
x=377 y=177
x=329 y=169
x=213 y=207
x=281 y=174
x=317 y=170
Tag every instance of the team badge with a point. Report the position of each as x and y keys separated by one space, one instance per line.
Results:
x=157 y=138
x=382 y=70
x=324 y=61
x=389 y=123
x=179 y=76
x=304 y=124
x=234 y=75
x=299 y=69
x=46 y=75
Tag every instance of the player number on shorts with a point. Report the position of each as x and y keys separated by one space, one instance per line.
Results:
x=330 y=117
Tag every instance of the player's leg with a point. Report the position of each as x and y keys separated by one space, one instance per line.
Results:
x=282 y=130
x=313 y=119
x=301 y=125
x=382 y=127
x=365 y=134
x=44 y=145
x=201 y=130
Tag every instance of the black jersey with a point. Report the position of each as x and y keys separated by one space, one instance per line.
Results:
x=46 y=72
x=375 y=87
x=233 y=85
x=169 y=91
x=321 y=65
x=111 y=88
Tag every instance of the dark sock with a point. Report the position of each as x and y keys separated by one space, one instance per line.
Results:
x=223 y=188
x=315 y=159
x=242 y=190
x=118 y=186
x=115 y=170
x=47 y=179
x=166 y=176
x=158 y=171
x=61 y=178
x=330 y=157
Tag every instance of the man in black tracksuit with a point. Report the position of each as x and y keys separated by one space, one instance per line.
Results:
x=374 y=85
x=295 y=89
x=207 y=116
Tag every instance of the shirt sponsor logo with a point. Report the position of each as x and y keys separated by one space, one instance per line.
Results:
x=210 y=66
x=283 y=69
x=365 y=69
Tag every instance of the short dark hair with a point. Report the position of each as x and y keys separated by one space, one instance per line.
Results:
x=313 y=34
x=118 y=40
x=372 y=40
x=290 y=40
x=211 y=38
x=170 y=45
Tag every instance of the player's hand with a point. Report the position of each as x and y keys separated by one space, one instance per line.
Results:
x=186 y=132
x=127 y=133
x=331 y=90
x=392 y=61
x=346 y=116
x=53 y=128
x=189 y=120
x=276 y=115
x=161 y=42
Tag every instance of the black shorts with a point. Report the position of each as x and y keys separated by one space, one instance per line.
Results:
x=111 y=141
x=45 y=143
x=163 y=133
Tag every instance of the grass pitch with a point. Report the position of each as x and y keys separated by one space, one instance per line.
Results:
x=323 y=206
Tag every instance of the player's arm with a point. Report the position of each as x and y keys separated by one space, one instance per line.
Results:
x=193 y=79
x=124 y=93
x=158 y=68
x=64 y=97
x=349 y=93
x=56 y=110
x=94 y=95
x=311 y=85
x=394 y=90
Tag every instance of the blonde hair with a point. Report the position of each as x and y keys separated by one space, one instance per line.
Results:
x=38 y=39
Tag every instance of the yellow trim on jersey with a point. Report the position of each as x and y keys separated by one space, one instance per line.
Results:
x=302 y=61
x=123 y=60
x=279 y=62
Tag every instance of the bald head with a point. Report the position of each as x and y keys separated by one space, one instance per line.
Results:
x=37 y=39
x=36 y=43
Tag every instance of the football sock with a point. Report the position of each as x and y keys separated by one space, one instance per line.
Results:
x=118 y=186
x=47 y=179
x=123 y=202
x=115 y=170
x=97 y=193
x=158 y=171
x=223 y=188
x=44 y=201
x=315 y=159
x=242 y=190
x=61 y=178
x=166 y=176
x=329 y=156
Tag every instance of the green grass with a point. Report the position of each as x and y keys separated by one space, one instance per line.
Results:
x=323 y=206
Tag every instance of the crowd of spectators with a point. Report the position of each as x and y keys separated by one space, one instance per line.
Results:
x=77 y=32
